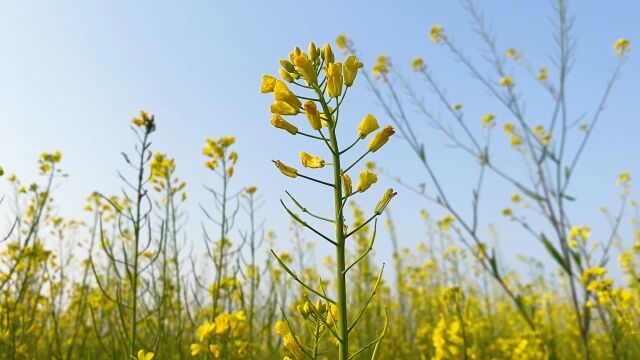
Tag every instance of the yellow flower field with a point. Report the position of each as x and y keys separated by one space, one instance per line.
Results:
x=124 y=281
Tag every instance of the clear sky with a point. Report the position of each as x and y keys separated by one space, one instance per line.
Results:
x=73 y=73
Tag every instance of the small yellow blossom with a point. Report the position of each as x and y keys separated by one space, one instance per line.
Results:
x=268 y=84
x=506 y=81
x=622 y=46
x=509 y=128
x=386 y=198
x=487 y=119
x=196 y=349
x=342 y=42
x=366 y=180
x=381 y=67
x=305 y=67
x=418 y=64
x=437 y=34
x=351 y=67
x=543 y=74
x=624 y=178
x=279 y=122
x=368 y=125
x=513 y=53
x=142 y=355
x=312 y=162
x=381 y=138
x=286 y=102
x=281 y=328
x=286 y=170
x=446 y=221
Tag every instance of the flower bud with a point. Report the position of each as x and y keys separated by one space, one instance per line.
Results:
x=327 y=54
x=321 y=307
x=334 y=79
x=287 y=65
x=313 y=51
x=347 y=185
x=285 y=75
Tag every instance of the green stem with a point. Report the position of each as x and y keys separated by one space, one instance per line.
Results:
x=343 y=327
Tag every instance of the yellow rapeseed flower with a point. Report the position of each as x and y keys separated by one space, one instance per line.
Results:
x=381 y=138
x=446 y=221
x=305 y=67
x=506 y=81
x=286 y=102
x=382 y=66
x=418 y=64
x=509 y=128
x=196 y=349
x=286 y=170
x=366 y=180
x=368 y=125
x=342 y=42
x=268 y=84
x=487 y=119
x=281 y=328
x=142 y=355
x=513 y=53
x=313 y=115
x=351 y=66
x=386 y=198
x=624 y=178
x=543 y=74
x=437 y=34
x=312 y=162
x=622 y=46
x=279 y=122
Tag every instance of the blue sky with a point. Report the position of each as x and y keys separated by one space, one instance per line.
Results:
x=72 y=74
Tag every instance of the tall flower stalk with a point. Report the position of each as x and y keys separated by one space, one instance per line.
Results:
x=327 y=81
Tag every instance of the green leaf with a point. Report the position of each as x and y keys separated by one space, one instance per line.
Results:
x=553 y=252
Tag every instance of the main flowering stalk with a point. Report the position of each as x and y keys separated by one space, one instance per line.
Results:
x=343 y=322
x=332 y=88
